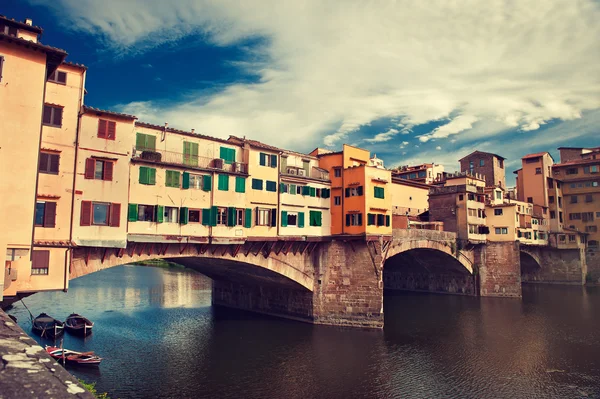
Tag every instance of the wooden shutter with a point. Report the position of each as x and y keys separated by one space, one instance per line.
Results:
x=143 y=175
x=151 y=176
x=47 y=118
x=360 y=219
x=300 y=219
x=108 y=170
x=348 y=219
x=263 y=159
x=43 y=162
x=248 y=218
x=185 y=181
x=359 y=190
x=206 y=217
x=347 y=192
x=387 y=220
x=102 y=128
x=160 y=213
x=273 y=217
x=112 y=130
x=40 y=259
x=90 y=166
x=213 y=215
x=273 y=161
x=50 y=214
x=370 y=219
x=284 y=219
x=115 y=215
x=132 y=214
x=86 y=213
x=140 y=141
x=57 y=119
x=231 y=216
x=312 y=191
x=54 y=162
x=184 y=215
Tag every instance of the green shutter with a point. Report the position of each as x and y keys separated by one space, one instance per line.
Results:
x=313 y=191
x=257 y=184
x=213 y=215
x=231 y=216
x=300 y=219
x=227 y=155
x=151 y=176
x=172 y=178
x=273 y=161
x=305 y=190
x=206 y=217
x=240 y=184
x=151 y=142
x=283 y=218
x=283 y=164
x=263 y=159
x=190 y=153
x=370 y=219
x=133 y=212
x=282 y=187
x=387 y=220
x=185 y=181
x=184 y=215
x=248 y=218
x=143 y=175
x=379 y=192
x=320 y=219
x=293 y=189
x=224 y=182
x=206 y=182
x=160 y=213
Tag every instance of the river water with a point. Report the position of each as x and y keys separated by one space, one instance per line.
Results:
x=161 y=338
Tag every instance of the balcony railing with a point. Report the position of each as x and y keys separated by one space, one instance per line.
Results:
x=315 y=173
x=192 y=161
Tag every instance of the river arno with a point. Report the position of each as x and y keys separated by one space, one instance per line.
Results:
x=161 y=338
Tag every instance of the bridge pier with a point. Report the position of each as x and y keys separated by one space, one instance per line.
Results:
x=553 y=265
x=498 y=269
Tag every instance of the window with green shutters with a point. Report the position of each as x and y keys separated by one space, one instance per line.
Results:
x=223 y=183
x=209 y=216
x=240 y=184
x=271 y=186
x=267 y=160
x=227 y=155
x=172 y=178
x=190 y=153
x=147 y=175
x=145 y=142
x=248 y=218
x=315 y=218
x=257 y=184
x=379 y=192
x=370 y=219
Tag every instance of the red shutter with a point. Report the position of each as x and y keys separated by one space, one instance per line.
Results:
x=54 y=162
x=43 y=165
x=50 y=214
x=108 y=170
x=40 y=259
x=102 y=128
x=47 y=119
x=86 y=213
x=115 y=215
x=57 y=116
x=112 y=129
x=90 y=166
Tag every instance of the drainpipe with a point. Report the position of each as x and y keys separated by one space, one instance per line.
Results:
x=79 y=115
x=278 y=216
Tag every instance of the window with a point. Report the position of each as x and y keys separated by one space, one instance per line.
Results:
x=337 y=172
x=223 y=183
x=145 y=142
x=481 y=162
x=171 y=214
x=591 y=229
x=8 y=30
x=45 y=214
x=593 y=244
x=354 y=219
x=498 y=194
x=471 y=166
x=227 y=155
x=59 y=77
x=422 y=173
x=197 y=181
x=292 y=218
x=257 y=184
x=573 y=199
x=239 y=217
x=147 y=176
x=473 y=229
x=172 y=178
x=194 y=215
x=100 y=214
x=271 y=186
x=461 y=197
x=145 y=213
x=48 y=163
x=530 y=200
x=538 y=171
x=472 y=212
x=240 y=186
x=587 y=216
x=315 y=218
x=551 y=199
x=572 y=238
x=379 y=192
x=497 y=212
x=99 y=169
x=532 y=160
x=354 y=191
x=267 y=160
x=501 y=230
x=574 y=216
x=52 y=115
x=299 y=189
x=106 y=129
x=337 y=200
x=222 y=216
x=589 y=198
x=40 y=262
x=594 y=169
x=550 y=183
x=598 y=214
x=263 y=217
x=190 y=153
x=572 y=171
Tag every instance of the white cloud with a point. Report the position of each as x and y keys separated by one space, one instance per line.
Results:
x=386 y=136
x=327 y=68
x=438 y=148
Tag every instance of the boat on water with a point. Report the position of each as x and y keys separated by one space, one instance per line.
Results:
x=78 y=325
x=47 y=327
x=73 y=357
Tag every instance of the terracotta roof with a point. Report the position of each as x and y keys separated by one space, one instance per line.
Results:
x=330 y=153
x=536 y=155
x=54 y=56
x=87 y=109
x=481 y=152
x=405 y=182
x=268 y=147
x=22 y=25
x=177 y=131
x=74 y=64
x=516 y=172
x=576 y=162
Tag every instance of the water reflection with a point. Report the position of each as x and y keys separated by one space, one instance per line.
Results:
x=161 y=338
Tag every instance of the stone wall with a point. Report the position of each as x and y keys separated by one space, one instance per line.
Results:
x=593 y=266
x=559 y=266
x=499 y=269
x=429 y=282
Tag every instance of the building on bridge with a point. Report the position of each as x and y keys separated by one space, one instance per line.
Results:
x=427 y=173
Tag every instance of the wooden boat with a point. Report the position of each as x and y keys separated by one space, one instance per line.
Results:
x=79 y=325
x=47 y=327
x=72 y=357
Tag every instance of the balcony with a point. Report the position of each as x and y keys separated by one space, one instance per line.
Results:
x=191 y=161
x=315 y=173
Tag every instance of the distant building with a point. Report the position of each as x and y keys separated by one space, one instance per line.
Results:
x=486 y=164
x=427 y=173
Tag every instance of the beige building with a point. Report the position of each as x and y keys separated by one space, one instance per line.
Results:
x=427 y=173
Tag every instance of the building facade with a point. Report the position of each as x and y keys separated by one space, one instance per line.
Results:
x=486 y=164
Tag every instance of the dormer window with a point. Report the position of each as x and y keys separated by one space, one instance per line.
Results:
x=8 y=30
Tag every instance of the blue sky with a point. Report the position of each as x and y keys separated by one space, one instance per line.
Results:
x=411 y=81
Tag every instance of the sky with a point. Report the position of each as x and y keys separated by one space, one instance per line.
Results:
x=412 y=81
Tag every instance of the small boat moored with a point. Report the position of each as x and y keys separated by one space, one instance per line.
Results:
x=77 y=324
x=72 y=357
x=47 y=327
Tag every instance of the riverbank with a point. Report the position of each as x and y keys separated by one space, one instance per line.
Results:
x=27 y=371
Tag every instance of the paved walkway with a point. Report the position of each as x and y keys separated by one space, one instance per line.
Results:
x=27 y=371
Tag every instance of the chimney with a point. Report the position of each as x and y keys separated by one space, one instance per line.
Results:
x=28 y=21
x=193 y=131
